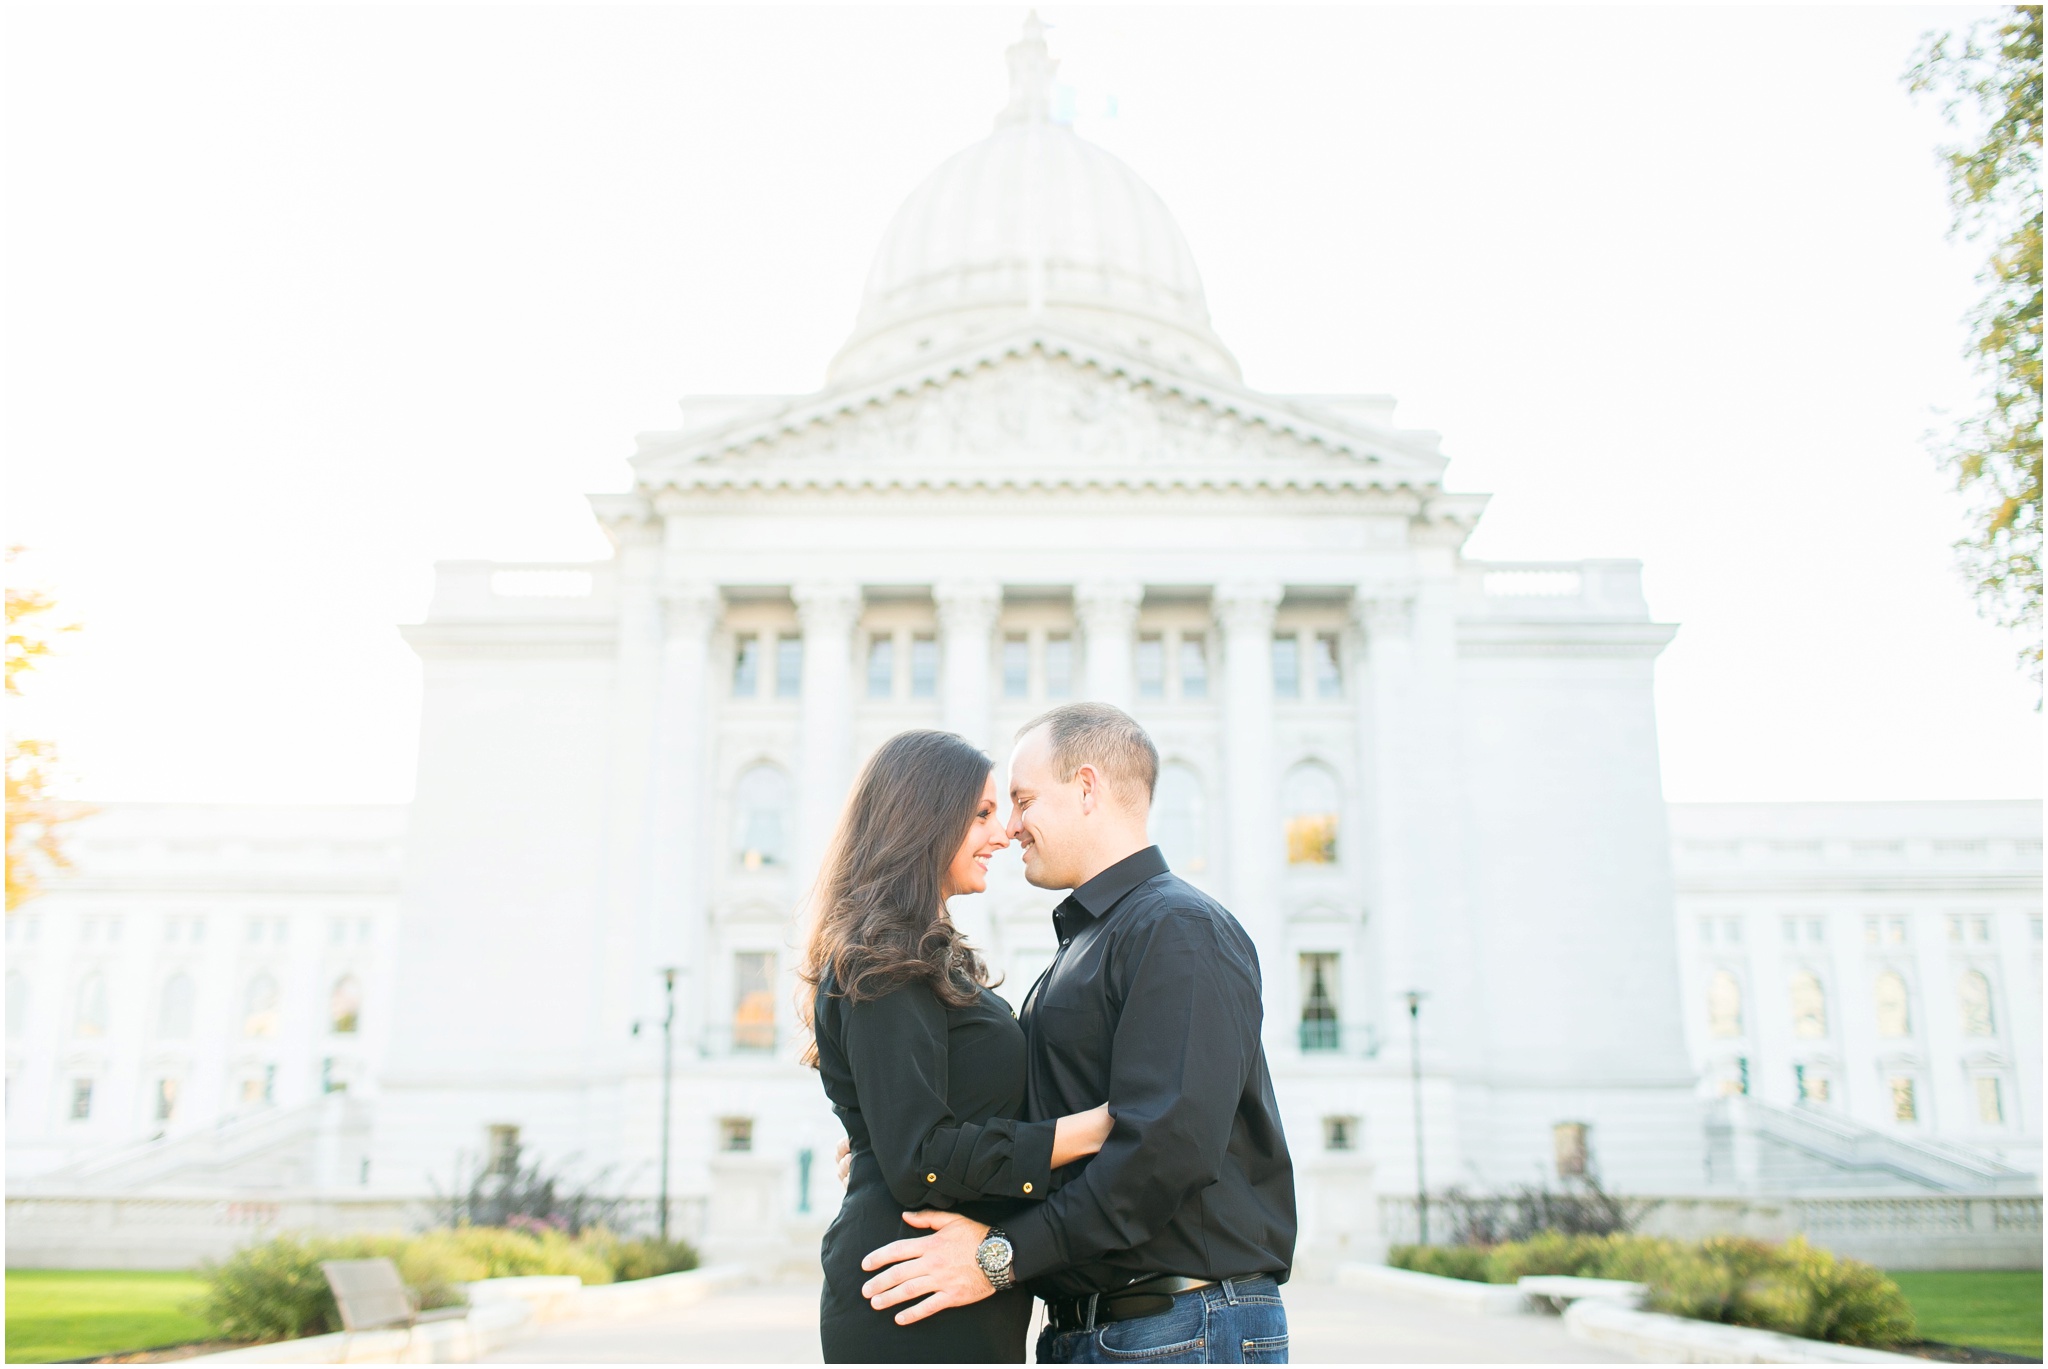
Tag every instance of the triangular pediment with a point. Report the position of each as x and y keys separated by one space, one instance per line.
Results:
x=1039 y=407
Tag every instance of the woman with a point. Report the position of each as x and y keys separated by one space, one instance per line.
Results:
x=922 y=1062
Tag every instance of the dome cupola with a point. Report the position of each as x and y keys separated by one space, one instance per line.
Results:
x=1032 y=221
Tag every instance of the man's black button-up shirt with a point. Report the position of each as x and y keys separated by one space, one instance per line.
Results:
x=1153 y=1002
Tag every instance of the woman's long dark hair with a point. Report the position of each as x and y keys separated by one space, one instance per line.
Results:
x=878 y=913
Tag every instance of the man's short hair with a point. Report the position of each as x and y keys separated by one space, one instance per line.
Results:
x=1104 y=736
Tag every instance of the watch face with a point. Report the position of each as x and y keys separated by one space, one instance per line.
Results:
x=995 y=1255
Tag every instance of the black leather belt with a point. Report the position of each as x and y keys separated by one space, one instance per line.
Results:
x=1145 y=1298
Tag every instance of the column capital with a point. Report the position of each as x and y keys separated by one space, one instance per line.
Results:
x=1384 y=610
x=967 y=603
x=1246 y=605
x=1107 y=600
x=690 y=609
x=826 y=605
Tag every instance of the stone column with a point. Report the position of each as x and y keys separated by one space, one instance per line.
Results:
x=967 y=620
x=630 y=784
x=827 y=612
x=1251 y=783
x=678 y=846
x=1108 y=612
x=1385 y=615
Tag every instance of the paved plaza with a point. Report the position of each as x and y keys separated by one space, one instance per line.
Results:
x=778 y=1324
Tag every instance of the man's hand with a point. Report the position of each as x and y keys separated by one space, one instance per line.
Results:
x=843 y=1158
x=939 y=1268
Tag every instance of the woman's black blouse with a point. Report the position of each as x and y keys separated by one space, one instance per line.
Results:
x=931 y=1097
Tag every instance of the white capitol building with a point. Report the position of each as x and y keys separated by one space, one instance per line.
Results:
x=1033 y=474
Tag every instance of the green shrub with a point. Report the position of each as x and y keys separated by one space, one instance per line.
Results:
x=275 y=1290
x=496 y=1252
x=1446 y=1261
x=1792 y=1288
x=638 y=1259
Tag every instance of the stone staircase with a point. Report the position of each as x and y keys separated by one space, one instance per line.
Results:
x=1763 y=1147
x=314 y=1145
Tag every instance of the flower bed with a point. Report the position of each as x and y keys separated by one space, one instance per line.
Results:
x=1791 y=1288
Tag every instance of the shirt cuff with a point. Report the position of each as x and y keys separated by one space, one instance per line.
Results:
x=1031 y=1160
x=1034 y=1252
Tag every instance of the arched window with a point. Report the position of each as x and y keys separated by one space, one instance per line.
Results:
x=92 y=1007
x=1724 y=1005
x=174 y=1009
x=1313 y=804
x=760 y=817
x=345 y=1005
x=260 y=1007
x=1894 y=1018
x=1973 y=993
x=1809 y=1006
x=17 y=1003
x=1179 y=819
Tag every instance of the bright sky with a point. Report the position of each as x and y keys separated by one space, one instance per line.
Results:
x=300 y=300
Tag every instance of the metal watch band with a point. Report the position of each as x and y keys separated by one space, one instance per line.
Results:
x=997 y=1266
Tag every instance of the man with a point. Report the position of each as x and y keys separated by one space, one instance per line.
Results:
x=1171 y=1242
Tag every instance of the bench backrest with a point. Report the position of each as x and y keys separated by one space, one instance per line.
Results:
x=369 y=1293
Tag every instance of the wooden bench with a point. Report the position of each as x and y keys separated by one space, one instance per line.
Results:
x=371 y=1295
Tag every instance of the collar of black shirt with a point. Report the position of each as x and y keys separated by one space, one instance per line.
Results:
x=1100 y=895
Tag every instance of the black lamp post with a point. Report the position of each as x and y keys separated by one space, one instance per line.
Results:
x=668 y=1056
x=1415 y=1073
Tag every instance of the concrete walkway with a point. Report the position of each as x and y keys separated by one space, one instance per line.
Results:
x=778 y=1324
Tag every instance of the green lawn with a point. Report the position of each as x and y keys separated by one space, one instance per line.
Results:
x=56 y=1314
x=1996 y=1309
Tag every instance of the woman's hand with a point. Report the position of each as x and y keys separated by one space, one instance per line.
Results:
x=843 y=1159
x=1080 y=1134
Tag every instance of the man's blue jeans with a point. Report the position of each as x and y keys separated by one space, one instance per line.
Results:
x=1238 y=1321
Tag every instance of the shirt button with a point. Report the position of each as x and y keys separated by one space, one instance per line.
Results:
x=931 y=1178
x=1027 y=1188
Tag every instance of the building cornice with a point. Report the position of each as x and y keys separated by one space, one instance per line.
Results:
x=1564 y=637
x=1747 y=882
x=546 y=638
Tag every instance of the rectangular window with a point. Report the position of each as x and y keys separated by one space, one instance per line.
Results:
x=1328 y=670
x=1980 y=930
x=1903 y=1107
x=746 y=665
x=1791 y=932
x=502 y=1149
x=1706 y=931
x=1319 y=1019
x=1870 y=931
x=881 y=667
x=333 y=1077
x=1194 y=667
x=1151 y=661
x=1818 y=1090
x=81 y=1100
x=166 y=1100
x=1016 y=666
x=736 y=1134
x=924 y=666
x=753 y=1001
x=1568 y=1149
x=337 y=931
x=1059 y=666
x=1286 y=667
x=1990 y=1101
x=1955 y=929
x=1816 y=931
x=789 y=666
x=1731 y=932
x=255 y=931
x=1895 y=932
x=1340 y=1133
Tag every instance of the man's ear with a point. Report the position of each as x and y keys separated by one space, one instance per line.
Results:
x=1091 y=788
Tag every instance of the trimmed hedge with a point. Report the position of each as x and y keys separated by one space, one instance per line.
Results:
x=1794 y=1288
x=275 y=1290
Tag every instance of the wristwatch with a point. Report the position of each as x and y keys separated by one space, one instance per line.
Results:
x=995 y=1257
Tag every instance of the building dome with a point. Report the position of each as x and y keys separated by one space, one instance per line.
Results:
x=1032 y=221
